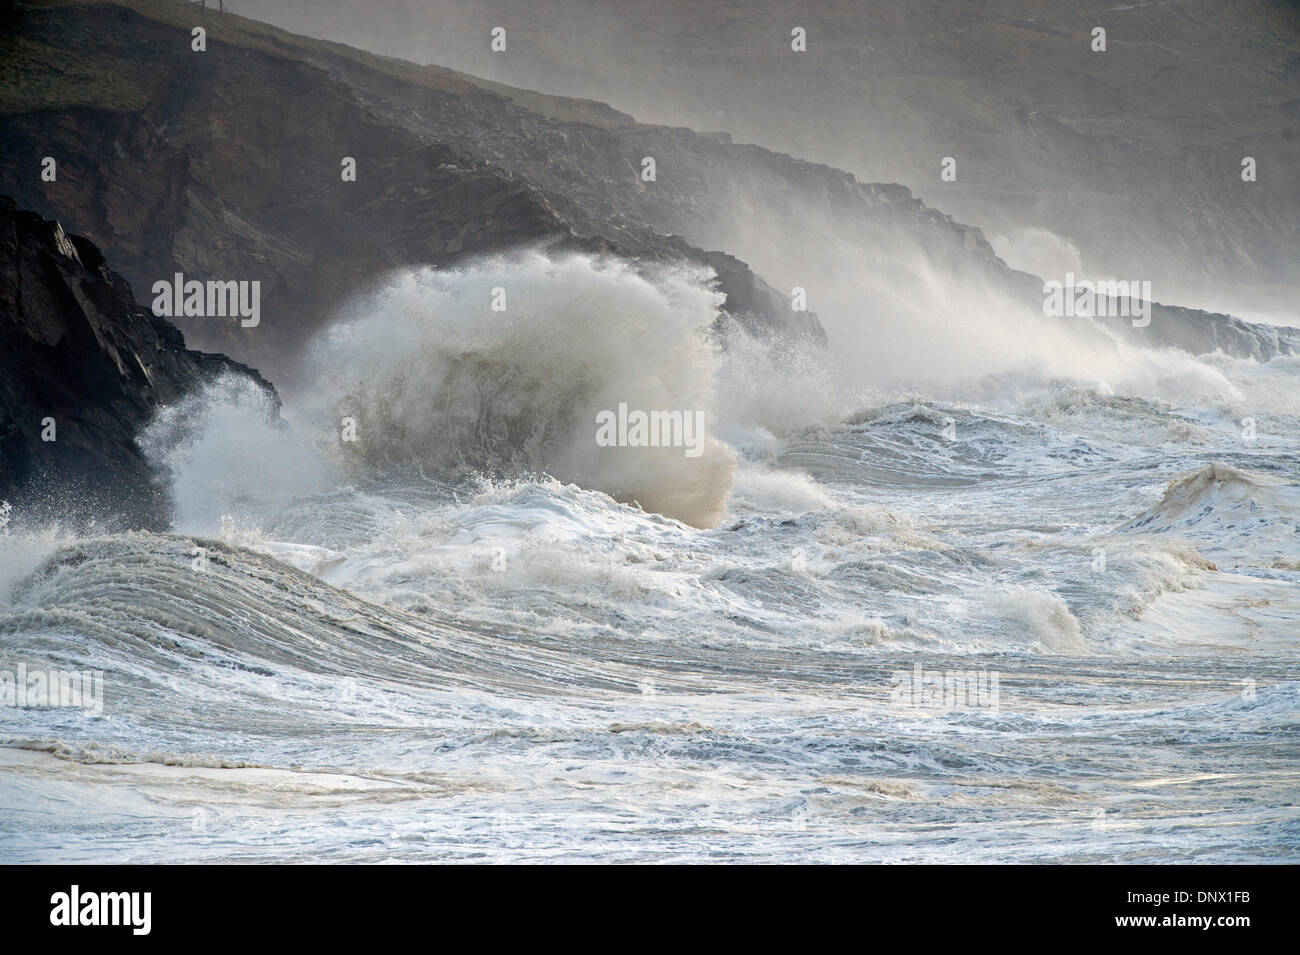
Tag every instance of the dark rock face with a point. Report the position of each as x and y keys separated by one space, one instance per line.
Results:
x=1192 y=330
x=1133 y=155
x=80 y=357
x=226 y=165
x=1202 y=333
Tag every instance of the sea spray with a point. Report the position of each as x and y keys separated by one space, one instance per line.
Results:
x=504 y=367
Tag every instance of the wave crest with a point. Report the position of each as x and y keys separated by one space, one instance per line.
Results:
x=435 y=380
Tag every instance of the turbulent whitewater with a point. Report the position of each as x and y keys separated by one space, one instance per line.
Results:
x=469 y=634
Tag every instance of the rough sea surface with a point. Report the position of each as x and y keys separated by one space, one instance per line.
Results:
x=333 y=661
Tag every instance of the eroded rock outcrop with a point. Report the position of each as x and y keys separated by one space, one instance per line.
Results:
x=225 y=165
x=82 y=369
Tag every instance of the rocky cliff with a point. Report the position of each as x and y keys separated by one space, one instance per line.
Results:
x=82 y=368
x=226 y=164
x=1133 y=155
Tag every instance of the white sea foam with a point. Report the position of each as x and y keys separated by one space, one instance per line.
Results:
x=437 y=380
x=458 y=637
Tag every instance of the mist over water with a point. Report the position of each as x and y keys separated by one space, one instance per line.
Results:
x=1131 y=157
x=439 y=381
x=473 y=594
x=421 y=611
x=422 y=381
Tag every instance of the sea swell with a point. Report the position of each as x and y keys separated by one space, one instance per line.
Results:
x=375 y=649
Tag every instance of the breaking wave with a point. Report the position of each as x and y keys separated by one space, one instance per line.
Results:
x=439 y=381
x=475 y=602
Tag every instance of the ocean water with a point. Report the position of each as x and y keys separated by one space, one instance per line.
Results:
x=1027 y=611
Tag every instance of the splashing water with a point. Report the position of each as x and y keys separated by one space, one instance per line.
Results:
x=457 y=637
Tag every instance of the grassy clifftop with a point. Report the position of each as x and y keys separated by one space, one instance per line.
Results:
x=35 y=76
